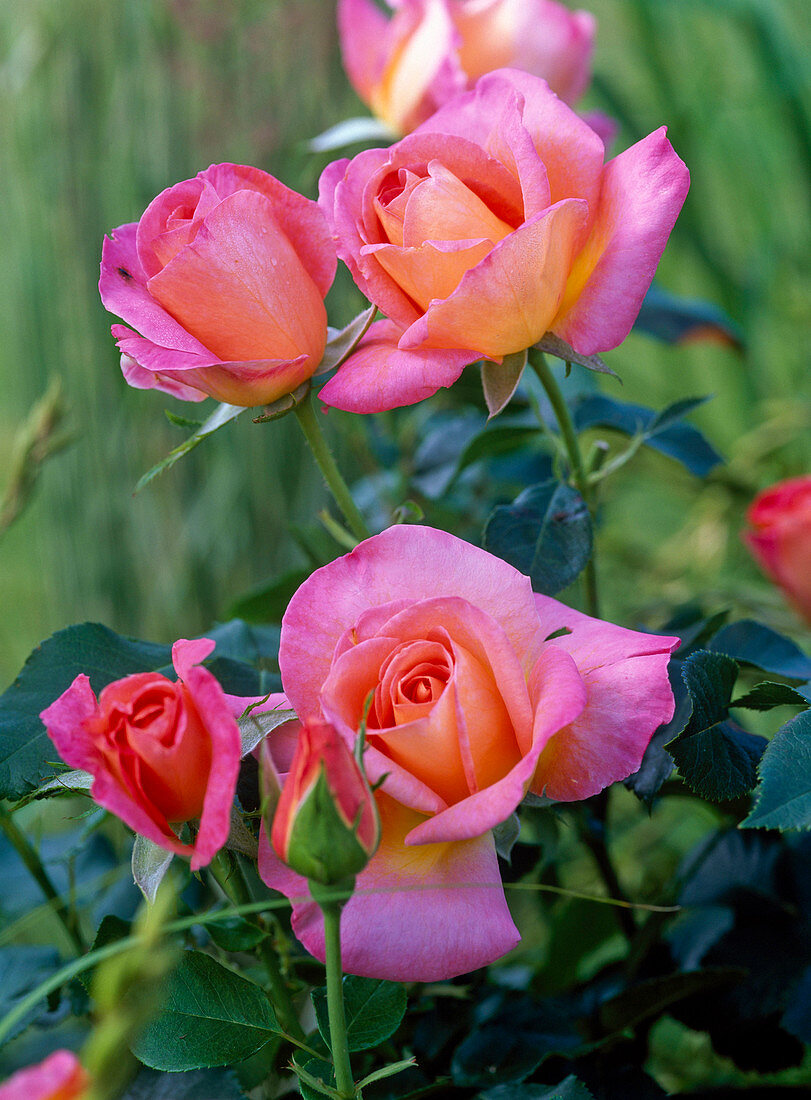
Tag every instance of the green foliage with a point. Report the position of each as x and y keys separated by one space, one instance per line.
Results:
x=211 y=1017
x=662 y=431
x=25 y=748
x=373 y=1010
x=783 y=796
x=545 y=533
x=191 y=1085
x=752 y=643
x=716 y=758
x=568 y=1089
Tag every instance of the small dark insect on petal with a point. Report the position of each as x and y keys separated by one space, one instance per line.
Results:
x=122 y=271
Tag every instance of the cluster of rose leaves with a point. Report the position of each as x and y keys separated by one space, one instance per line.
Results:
x=494 y=221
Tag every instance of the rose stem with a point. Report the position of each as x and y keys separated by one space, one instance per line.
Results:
x=335 y=996
x=308 y=422
x=228 y=874
x=569 y=435
x=30 y=857
x=595 y=838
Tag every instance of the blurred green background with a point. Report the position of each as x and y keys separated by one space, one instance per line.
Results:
x=102 y=105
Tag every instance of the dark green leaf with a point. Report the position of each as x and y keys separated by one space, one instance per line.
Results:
x=196 y=1084
x=318 y=1068
x=662 y=431
x=235 y=934
x=373 y=1009
x=182 y=421
x=568 y=1089
x=210 y=1017
x=268 y=602
x=222 y=415
x=783 y=797
x=245 y=642
x=752 y=643
x=797 y=1018
x=25 y=747
x=716 y=758
x=657 y=763
x=677 y=320
x=545 y=533
x=654 y=996
x=235 y=677
x=22 y=968
x=767 y=695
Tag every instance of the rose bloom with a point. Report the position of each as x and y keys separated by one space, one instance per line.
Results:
x=58 y=1077
x=160 y=752
x=224 y=278
x=780 y=538
x=493 y=223
x=474 y=703
x=406 y=66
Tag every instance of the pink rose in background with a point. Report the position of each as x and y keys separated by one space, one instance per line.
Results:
x=406 y=66
x=493 y=223
x=58 y=1077
x=780 y=538
x=160 y=752
x=223 y=279
x=472 y=707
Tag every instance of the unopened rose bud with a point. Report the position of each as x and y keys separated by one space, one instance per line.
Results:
x=59 y=1077
x=326 y=825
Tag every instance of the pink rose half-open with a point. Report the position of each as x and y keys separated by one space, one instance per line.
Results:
x=495 y=222
x=407 y=65
x=223 y=281
x=780 y=538
x=472 y=707
x=161 y=752
x=59 y=1077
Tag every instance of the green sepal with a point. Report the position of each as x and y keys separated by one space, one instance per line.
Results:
x=322 y=846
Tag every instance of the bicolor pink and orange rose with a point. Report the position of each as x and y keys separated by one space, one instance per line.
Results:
x=496 y=221
x=59 y=1077
x=407 y=65
x=477 y=699
x=222 y=281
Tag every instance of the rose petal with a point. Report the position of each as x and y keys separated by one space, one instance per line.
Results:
x=362 y=29
x=642 y=193
x=437 y=911
x=379 y=375
x=141 y=379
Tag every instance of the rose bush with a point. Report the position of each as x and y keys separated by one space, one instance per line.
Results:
x=472 y=706
x=493 y=223
x=780 y=538
x=223 y=279
x=406 y=66
x=160 y=752
x=58 y=1077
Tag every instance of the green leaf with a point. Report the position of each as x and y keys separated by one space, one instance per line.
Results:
x=662 y=431
x=654 y=996
x=342 y=342
x=25 y=748
x=235 y=934
x=716 y=759
x=350 y=132
x=221 y=416
x=211 y=1017
x=22 y=968
x=568 y=1089
x=546 y=533
x=218 y=1084
x=783 y=797
x=373 y=1009
x=752 y=643
x=674 y=320
x=500 y=380
x=561 y=350
x=254 y=728
x=767 y=695
x=308 y=1068
x=267 y=603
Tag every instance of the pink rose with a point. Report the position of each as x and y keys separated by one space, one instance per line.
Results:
x=495 y=222
x=58 y=1077
x=780 y=539
x=160 y=752
x=224 y=277
x=472 y=707
x=406 y=66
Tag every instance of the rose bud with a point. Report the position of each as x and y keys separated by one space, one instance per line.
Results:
x=326 y=826
x=780 y=539
x=406 y=66
x=58 y=1077
x=223 y=279
x=160 y=752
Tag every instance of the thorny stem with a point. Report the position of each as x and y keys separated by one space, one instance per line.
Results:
x=335 y=999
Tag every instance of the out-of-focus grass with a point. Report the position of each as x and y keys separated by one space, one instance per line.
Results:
x=103 y=105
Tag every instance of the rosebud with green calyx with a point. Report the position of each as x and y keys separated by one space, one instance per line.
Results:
x=326 y=826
